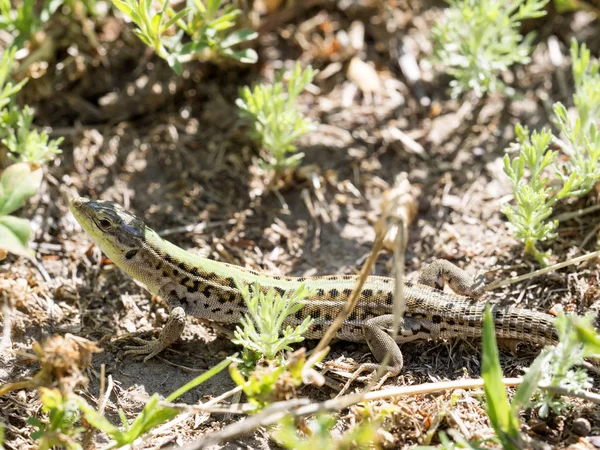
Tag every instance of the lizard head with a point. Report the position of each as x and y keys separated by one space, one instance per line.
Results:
x=118 y=233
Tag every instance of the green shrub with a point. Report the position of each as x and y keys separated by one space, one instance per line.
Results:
x=534 y=194
x=207 y=26
x=478 y=39
x=275 y=119
x=29 y=148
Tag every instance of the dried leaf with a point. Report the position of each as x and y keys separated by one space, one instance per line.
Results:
x=363 y=75
x=400 y=206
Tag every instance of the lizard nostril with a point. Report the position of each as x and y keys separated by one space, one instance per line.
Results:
x=79 y=201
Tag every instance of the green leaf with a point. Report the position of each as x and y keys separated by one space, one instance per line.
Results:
x=123 y=7
x=587 y=335
x=530 y=382
x=174 y=19
x=498 y=409
x=18 y=182
x=155 y=24
x=246 y=56
x=14 y=236
x=238 y=36
x=97 y=420
x=200 y=378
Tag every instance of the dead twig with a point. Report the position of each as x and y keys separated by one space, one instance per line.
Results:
x=7 y=313
x=500 y=283
x=575 y=214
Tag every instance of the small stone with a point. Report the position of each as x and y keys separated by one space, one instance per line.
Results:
x=581 y=427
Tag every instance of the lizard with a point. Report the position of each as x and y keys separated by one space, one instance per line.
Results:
x=204 y=288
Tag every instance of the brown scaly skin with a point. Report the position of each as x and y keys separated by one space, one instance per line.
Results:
x=206 y=289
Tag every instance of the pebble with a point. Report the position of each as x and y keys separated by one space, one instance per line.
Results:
x=581 y=427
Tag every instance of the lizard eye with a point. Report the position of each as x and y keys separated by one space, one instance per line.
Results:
x=105 y=224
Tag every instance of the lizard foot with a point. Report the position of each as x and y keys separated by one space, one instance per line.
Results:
x=149 y=348
x=359 y=369
x=372 y=367
x=169 y=334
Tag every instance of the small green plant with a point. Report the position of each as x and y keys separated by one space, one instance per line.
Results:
x=362 y=436
x=276 y=121
x=265 y=373
x=478 y=39
x=23 y=143
x=65 y=409
x=534 y=199
x=262 y=328
x=150 y=417
x=207 y=25
x=60 y=430
x=561 y=367
x=26 y=144
x=535 y=194
x=28 y=148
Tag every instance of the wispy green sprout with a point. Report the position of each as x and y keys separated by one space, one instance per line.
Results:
x=275 y=119
x=7 y=88
x=535 y=194
x=16 y=134
x=60 y=429
x=262 y=328
x=64 y=410
x=150 y=417
x=578 y=339
x=208 y=26
x=22 y=20
x=24 y=143
x=533 y=197
x=477 y=39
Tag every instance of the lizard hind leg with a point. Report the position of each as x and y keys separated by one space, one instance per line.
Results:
x=377 y=335
x=440 y=272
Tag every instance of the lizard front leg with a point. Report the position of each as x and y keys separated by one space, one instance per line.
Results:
x=440 y=272
x=170 y=332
